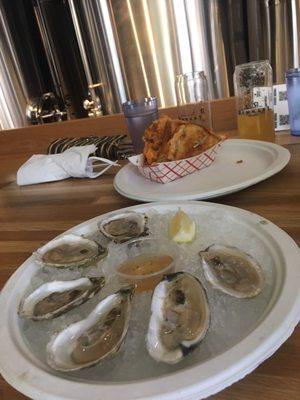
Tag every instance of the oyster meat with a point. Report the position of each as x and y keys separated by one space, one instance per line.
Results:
x=55 y=298
x=180 y=317
x=232 y=271
x=70 y=251
x=123 y=227
x=94 y=338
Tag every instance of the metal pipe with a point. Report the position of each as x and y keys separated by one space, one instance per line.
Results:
x=49 y=51
x=13 y=92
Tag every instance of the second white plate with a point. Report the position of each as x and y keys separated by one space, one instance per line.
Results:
x=240 y=163
x=243 y=332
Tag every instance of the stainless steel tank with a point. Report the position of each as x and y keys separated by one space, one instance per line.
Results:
x=95 y=54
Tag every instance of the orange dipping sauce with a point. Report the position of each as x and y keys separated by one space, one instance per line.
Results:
x=146 y=270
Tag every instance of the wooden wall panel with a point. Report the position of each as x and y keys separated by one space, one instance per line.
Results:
x=36 y=138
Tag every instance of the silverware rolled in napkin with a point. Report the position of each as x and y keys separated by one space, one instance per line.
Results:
x=113 y=148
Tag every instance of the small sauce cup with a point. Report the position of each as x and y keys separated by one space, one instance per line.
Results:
x=143 y=252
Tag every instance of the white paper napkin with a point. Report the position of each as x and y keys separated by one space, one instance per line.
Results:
x=74 y=162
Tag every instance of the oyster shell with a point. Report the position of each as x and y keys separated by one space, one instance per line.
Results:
x=123 y=227
x=180 y=317
x=55 y=298
x=232 y=271
x=70 y=251
x=94 y=338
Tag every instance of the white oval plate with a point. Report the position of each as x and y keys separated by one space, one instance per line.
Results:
x=260 y=160
x=30 y=376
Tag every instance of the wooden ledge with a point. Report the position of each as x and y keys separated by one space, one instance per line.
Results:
x=36 y=138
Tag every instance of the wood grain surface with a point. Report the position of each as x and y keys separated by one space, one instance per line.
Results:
x=30 y=216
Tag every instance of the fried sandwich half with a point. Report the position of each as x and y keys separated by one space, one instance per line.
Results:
x=168 y=140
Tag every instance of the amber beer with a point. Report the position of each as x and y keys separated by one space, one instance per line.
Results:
x=253 y=87
x=256 y=124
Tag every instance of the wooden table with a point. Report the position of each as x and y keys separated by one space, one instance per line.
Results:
x=31 y=216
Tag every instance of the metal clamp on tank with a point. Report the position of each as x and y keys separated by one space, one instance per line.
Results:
x=92 y=103
x=47 y=108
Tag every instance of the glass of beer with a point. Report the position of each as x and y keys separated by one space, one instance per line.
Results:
x=253 y=87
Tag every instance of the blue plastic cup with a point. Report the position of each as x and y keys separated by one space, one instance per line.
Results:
x=292 y=77
x=139 y=114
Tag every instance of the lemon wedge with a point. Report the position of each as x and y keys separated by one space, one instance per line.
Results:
x=182 y=229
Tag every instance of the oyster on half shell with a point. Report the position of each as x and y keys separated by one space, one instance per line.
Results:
x=232 y=271
x=123 y=227
x=94 y=338
x=55 y=298
x=70 y=251
x=180 y=317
